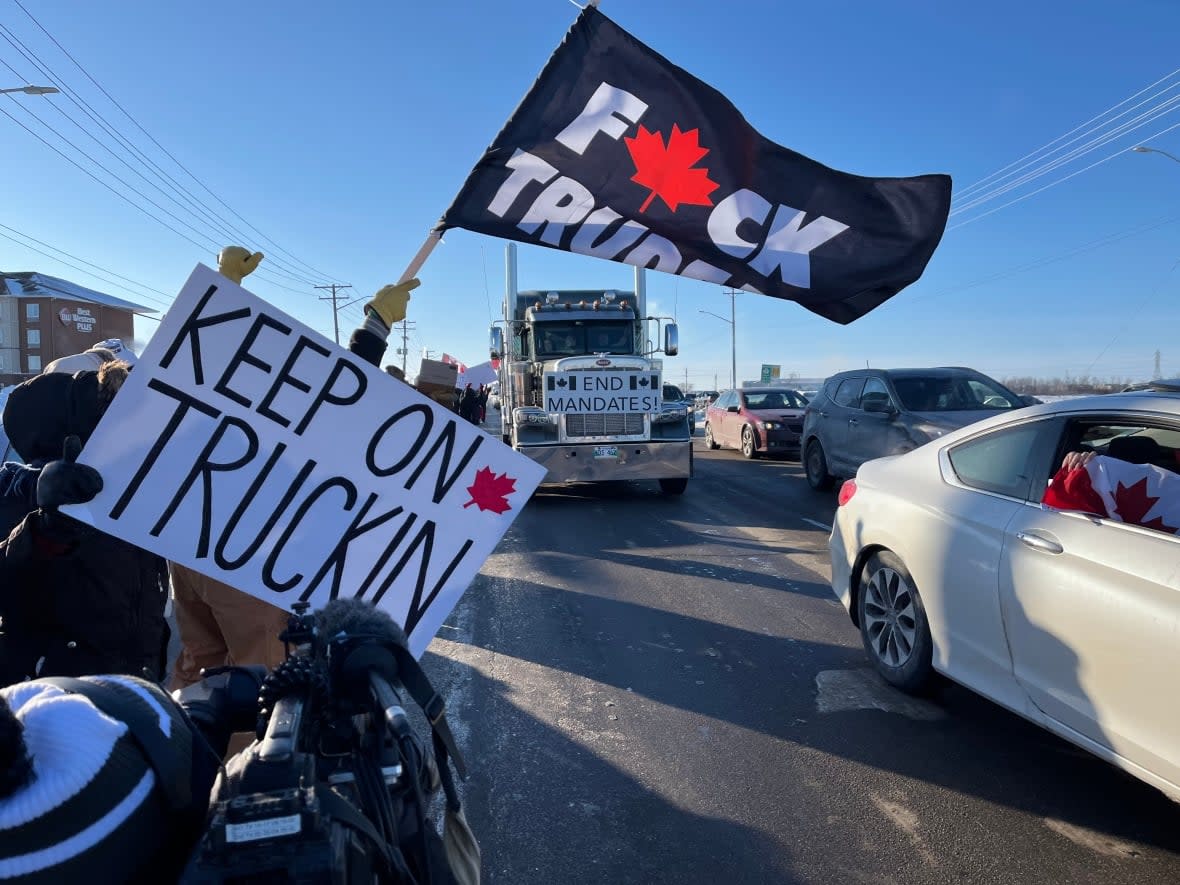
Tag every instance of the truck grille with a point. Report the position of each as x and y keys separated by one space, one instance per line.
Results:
x=603 y=424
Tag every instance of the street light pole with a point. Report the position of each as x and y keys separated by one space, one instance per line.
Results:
x=732 y=293
x=32 y=90
x=1143 y=149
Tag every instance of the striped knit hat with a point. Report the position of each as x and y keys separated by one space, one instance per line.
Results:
x=94 y=810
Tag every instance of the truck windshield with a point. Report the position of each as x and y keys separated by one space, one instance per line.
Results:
x=554 y=340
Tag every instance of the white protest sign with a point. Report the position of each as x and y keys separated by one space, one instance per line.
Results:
x=254 y=450
x=577 y=393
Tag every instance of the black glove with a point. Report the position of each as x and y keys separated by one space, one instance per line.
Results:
x=225 y=701
x=66 y=482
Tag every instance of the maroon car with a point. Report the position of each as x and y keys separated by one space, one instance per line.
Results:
x=757 y=421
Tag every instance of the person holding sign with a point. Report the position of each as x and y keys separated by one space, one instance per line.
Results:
x=220 y=625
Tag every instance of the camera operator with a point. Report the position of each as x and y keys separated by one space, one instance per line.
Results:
x=80 y=800
x=109 y=779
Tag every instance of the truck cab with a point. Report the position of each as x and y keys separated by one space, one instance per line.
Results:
x=581 y=392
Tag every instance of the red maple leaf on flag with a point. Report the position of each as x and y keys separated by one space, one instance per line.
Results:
x=489 y=491
x=1133 y=504
x=668 y=170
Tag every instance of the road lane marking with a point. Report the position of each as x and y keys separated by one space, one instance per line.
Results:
x=906 y=821
x=826 y=526
x=1097 y=842
x=862 y=689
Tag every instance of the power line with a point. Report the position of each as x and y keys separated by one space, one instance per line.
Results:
x=1133 y=316
x=315 y=273
x=1088 y=246
x=1102 y=140
x=130 y=148
x=1054 y=183
x=972 y=187
x=123 y=197
x=277 y=265
x=83 y=260
x=1064 y=150
x=87 y=109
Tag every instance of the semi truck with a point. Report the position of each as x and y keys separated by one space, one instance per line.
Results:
x=581 y=391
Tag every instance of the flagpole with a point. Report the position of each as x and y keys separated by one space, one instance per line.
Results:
x=411 y=271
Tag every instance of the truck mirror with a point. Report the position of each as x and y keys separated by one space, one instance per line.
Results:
x=671 y=340
x=496 y=342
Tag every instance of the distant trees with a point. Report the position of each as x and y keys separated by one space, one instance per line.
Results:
x=1065 y=386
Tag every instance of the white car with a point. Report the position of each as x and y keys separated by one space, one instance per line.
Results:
x=948 y=562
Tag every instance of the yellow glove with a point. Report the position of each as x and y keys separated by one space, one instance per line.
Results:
x=390 y=302
x=235 y=262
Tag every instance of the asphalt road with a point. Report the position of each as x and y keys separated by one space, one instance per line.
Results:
x=658 y=689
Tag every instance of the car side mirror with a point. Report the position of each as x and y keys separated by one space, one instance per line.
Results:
x=879 y=406
x=733 y=409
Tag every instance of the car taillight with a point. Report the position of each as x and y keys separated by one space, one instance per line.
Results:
x=846 y=492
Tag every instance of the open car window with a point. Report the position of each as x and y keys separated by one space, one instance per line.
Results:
x=1132 y=441
x=1135 y=479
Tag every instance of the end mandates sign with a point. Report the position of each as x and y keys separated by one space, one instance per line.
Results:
x=251 y=448
x=576 y=393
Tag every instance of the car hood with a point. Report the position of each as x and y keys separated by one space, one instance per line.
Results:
x=775 y=414
x=954 y=420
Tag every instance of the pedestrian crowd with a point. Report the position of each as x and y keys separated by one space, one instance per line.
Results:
x=473 y=404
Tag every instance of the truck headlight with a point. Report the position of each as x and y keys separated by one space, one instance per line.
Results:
x=531 y=415
x=668 y=414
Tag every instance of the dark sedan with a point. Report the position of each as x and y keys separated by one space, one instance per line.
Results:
x=756 y=421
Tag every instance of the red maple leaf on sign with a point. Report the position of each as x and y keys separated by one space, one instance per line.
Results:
x=669 y=171
x=489 y=491
x=1133 y=504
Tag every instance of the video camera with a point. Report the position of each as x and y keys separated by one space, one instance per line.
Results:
x=335 y=788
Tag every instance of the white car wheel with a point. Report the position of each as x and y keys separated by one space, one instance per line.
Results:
x=893 y=624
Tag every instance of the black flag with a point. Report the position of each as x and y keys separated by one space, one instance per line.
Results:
x=618 y=153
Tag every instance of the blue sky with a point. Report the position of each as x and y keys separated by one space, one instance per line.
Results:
x=341 y=132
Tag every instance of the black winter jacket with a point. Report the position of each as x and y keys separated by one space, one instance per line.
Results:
x=74 y=601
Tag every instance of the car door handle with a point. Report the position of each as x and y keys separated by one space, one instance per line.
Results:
x=1038 y=543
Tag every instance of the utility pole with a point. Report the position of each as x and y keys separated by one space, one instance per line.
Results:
x=404 y=349
x=334 y=298
x=1158 y=374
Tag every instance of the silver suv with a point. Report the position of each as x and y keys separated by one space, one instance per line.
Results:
x=869 y=413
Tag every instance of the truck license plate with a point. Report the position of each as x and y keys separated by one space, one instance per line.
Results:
x=606 y=451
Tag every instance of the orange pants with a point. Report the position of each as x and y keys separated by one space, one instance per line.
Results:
x=220 y=626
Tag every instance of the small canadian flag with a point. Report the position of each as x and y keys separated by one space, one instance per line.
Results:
x=1142 y=494
x=447 y=358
